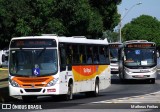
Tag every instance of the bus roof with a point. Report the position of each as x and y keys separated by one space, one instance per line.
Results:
x=116 y=43
x=74 y=39
x=137 y=41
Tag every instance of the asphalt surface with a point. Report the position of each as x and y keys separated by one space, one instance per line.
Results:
x=119 y=96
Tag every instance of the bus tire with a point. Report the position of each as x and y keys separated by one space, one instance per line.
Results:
x=96 y=92
x=28 y=98
x=69 y=95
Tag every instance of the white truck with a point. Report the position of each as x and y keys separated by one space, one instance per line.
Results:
x=4 y=58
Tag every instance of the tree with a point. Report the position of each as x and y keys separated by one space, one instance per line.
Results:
x=143 y=27
x=63 y=17
x=111 y=36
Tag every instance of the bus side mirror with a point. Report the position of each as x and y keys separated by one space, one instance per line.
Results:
x=3 y=58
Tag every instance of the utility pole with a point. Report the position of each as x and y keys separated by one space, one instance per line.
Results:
x=121 y=18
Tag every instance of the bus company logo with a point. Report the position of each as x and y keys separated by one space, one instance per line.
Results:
x=6 y=106
x=87 y=70
x=144 y=71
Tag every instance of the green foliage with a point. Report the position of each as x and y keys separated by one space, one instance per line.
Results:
x=63 y=17
x=111 y=36
x=144 y=27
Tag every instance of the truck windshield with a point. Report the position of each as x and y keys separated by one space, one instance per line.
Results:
x=29 y=62
x=139 y=57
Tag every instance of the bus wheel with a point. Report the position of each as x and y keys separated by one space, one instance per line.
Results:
x=69 y=95
x=28 y=98
x=96 y=91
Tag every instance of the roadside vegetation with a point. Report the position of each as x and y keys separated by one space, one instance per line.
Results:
x=144 y=27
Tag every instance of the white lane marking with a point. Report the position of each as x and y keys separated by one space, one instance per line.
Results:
x=147 y=98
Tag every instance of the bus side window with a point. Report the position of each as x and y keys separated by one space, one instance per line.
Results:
x=69 y=56
x=75 y=54
x=82 y=54
x=63 y=58
x=107 y=54
x=102 y=55
x=95 y=55
x=89 y=54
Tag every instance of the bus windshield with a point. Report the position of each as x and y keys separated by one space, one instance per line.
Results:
x=114 y=54
x=139 y=57
x=33 y=62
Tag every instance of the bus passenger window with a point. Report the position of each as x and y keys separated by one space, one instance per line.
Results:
x=76 y=59
x=102 y=55
x=89 y=54
x=69 y=53
x=63 y=56
x=75 y=54
x=81 y=58
x=82 y=54
x=89 y=59
x=95 y=59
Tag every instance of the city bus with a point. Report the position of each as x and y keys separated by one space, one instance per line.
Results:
x=138 y=60
x=114 y=65
x=55 y=65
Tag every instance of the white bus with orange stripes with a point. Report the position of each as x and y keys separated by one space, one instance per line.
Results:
x=53 y=65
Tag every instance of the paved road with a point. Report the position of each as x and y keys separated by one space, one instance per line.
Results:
x=117 y=96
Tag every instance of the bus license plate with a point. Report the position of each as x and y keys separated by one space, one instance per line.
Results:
x=140 y=76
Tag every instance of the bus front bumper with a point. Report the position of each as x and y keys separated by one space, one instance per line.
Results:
x=18 y=91
x=149 y=75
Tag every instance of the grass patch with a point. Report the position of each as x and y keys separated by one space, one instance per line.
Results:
x=3 y=74
x=3 y=78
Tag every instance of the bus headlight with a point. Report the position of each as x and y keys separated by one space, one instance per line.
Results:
x=13 y=83
x=53 y=82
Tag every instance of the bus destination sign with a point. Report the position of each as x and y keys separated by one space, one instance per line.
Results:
x=142 y=45
x=27 y=43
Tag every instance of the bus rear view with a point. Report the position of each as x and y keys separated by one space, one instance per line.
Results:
x=139 y=60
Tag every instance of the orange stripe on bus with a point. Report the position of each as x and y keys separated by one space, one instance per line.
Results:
x=87 y=72
x=29 y=82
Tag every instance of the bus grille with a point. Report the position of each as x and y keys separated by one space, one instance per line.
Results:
x=32 y=90
x=33 y=82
